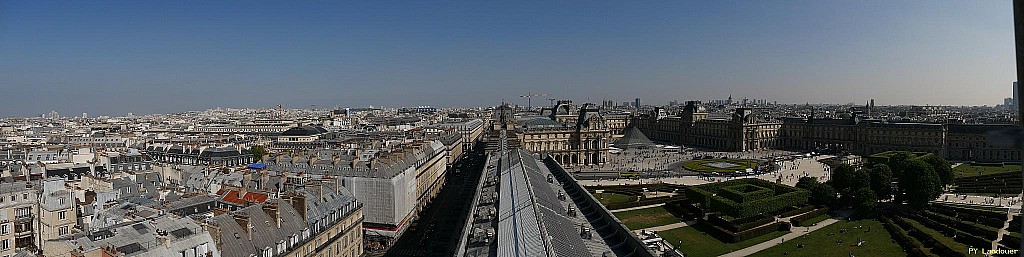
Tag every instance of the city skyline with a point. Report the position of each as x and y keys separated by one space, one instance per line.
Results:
x=111 y=59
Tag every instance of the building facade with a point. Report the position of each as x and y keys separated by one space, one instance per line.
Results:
x=746 y=131
x=572 y=136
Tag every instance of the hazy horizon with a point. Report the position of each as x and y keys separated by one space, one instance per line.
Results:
x=117 y=57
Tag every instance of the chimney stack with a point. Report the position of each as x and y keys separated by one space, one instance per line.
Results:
x=321 y=190
x=243 y=221
x=245 y=184
x=272 y=210
x=215 y=233
x=299 y=203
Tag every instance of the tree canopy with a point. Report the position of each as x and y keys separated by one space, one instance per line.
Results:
x=257 y=152
x=918 y=184
x=881 y=181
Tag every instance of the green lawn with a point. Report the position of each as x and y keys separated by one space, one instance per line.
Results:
x=696 y=243
x=971 y=169
x=878 y=242
x=646 y=218
x=613 y=198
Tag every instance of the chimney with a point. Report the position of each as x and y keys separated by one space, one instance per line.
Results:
x=272 y=210
x=283 y=181
x=321 y=190
x=264 y=180
x=215 y=233
x=299 y=203
x=245 y=183
x=243 y=221
x=374 y=163
x=162 y=236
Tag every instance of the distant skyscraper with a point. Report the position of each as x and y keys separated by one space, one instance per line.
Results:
x=85 y=115
x=637 y=100
x=1016 y=101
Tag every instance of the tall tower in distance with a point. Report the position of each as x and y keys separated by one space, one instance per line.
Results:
x=1015 y=100
x=637 y=103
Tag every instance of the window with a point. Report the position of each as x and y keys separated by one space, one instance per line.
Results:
x=24 y=196
x=4 y=229
x=63 y=230
x=62 y=215
x=5 y=244
x=62 y=201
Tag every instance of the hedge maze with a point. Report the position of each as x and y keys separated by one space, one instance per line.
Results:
x=742 y=209
x=742 y=198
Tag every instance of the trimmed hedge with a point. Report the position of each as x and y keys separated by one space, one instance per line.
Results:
x=734 y=237
x=1010 y=240
x=916 y=249
x=785 y=196
x=961 y=236
x=795 y=211
x=745 y=192
x=937 y=246
x=733 y=226
x=973 y=229
x=806 y=216
x=985 y=220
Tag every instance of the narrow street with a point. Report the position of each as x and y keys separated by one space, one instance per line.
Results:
x=437 y=230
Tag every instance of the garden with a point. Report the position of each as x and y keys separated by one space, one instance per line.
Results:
x=720 y=165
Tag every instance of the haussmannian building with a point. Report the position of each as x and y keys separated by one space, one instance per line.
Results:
x=394 y=186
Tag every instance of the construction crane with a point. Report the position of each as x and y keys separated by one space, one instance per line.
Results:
x=529 y=96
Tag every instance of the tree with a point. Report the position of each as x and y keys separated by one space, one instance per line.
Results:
x=881 y=181
x=899 y=162
x=941 y=166
x=865 y=202
x=823 y=194
x=841 y=176
x=807 y=183
x=918 y=184
x=257 y=152
x=860 y=179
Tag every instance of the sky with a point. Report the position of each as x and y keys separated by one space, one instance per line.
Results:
x=172 y=56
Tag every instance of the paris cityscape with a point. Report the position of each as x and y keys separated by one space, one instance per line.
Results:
x=670 y=129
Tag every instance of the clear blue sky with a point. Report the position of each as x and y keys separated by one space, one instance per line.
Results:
x=158 y=57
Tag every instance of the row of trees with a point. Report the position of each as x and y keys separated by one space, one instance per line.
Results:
x=918 y=180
